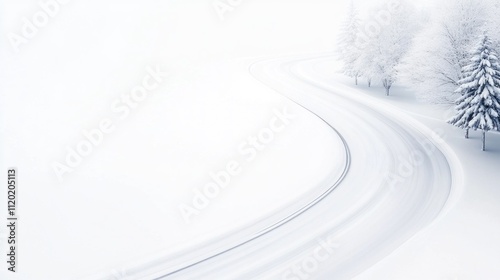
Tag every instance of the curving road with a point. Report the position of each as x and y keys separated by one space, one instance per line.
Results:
x=395 y=181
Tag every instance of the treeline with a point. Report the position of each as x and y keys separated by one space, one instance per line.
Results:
x=447 y=54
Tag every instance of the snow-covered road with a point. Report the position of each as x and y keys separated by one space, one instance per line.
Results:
x=395 y=180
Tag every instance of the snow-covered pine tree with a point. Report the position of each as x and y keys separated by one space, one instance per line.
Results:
x=347 y=50
x=479 y=104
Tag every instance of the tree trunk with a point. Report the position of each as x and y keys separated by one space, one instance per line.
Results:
x=484 y=140
x=387 y=85
x=466 y=133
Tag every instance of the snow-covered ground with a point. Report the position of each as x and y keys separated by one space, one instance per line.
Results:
x=315 y=199
x=121 y=204
x=365 y=219
x=463 y=243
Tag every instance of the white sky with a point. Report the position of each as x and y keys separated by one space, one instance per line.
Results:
x=177 y=32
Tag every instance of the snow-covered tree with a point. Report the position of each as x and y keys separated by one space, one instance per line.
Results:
x=478 y=107
x=492 y=22
x=383 y=53
x=434 y=65
x=347 y=51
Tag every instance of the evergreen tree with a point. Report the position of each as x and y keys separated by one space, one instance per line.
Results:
x=478 y=107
